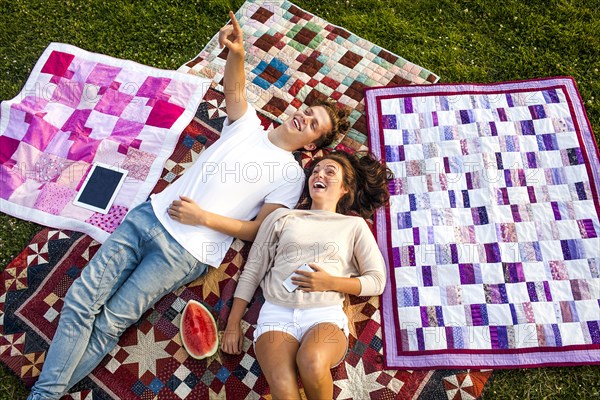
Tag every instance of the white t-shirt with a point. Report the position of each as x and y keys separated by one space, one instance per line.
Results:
x=234 y=177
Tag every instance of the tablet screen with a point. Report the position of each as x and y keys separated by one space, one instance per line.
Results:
x=100 y=188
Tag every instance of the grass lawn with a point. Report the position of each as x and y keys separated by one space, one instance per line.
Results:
x=462 y=41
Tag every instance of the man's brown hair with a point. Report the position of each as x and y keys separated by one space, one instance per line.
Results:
x=339 y=122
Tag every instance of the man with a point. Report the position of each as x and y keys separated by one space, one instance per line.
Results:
x=166 y=243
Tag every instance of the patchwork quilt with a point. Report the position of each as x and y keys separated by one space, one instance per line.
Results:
x=149 y=360
x=79 y=108
x=491 y=235
x=294 y=58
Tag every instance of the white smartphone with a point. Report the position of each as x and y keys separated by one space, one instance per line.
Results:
x=289 y=285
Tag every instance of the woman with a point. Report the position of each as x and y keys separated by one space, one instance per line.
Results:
x=305 y=331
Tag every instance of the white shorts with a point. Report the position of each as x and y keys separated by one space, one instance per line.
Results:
x=297 y=321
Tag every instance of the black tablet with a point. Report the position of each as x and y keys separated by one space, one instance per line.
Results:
x=100 y=188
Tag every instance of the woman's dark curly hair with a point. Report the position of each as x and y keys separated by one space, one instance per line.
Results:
x=366 y=180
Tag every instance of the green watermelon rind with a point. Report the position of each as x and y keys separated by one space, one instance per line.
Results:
x=181 y=331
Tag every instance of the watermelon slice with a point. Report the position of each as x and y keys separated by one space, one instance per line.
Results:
x=198 y=331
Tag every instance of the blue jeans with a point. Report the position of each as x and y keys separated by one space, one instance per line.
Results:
x=136 y=266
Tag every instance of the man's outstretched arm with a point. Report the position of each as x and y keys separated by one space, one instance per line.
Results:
x=234 y=78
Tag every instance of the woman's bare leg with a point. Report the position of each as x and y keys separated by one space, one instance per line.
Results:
x=276 y=354
x=322 y=347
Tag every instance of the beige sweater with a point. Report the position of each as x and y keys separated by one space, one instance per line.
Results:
x=341 y=245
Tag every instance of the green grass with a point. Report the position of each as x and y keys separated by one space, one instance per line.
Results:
x=462 y=41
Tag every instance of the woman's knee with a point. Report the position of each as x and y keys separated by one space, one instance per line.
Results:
x=282 y=383
x=312 y=364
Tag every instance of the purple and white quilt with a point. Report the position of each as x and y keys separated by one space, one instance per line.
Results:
x=79 y=108
x=492 y=233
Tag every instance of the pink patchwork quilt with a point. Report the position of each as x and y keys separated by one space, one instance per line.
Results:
x=492 y=233
x=79 y=108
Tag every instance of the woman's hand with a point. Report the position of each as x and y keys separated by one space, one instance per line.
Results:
x=232 y=338
x=318 y=281
x=232 y=36
x=186 y=211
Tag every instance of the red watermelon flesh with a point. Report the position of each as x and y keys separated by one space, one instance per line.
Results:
x=198 y=331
